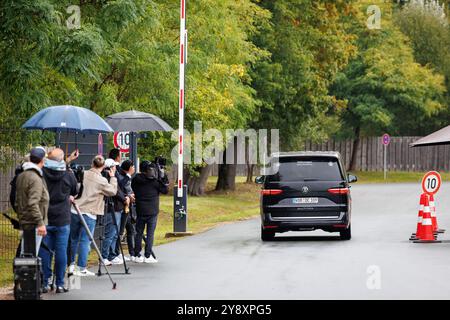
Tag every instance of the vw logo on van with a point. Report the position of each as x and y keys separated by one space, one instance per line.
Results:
x=305 y=189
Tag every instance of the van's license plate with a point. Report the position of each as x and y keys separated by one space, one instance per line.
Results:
x=305 y=200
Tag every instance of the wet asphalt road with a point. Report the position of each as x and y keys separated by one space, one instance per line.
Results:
x=230 y=261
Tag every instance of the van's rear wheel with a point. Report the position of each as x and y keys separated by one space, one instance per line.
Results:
x=267 y=235
x=346 y=234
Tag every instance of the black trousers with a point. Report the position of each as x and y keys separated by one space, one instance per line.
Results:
x=128 y=226
x=143 y=222
x=29 y=242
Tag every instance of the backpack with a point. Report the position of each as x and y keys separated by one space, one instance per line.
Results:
x=12 y=194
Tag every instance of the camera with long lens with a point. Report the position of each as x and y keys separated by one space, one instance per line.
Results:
x=78 y=171
x=161 y=163
x=105 y=173
x=107 y=169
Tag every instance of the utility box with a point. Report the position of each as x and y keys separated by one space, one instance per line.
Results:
x=179 y=215
x=180 y=211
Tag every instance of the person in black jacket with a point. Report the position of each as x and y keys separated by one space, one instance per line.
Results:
x=62 y=187
x=147 y=186
x=113 y=216
x=126 y=172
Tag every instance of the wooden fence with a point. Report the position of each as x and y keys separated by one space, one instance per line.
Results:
x=369 y=157
x=400 y=157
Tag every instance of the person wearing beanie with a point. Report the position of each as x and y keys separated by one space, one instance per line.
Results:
x=32 y=201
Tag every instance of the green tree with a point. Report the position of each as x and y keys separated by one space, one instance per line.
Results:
x=385 y=89
x=309 y=44
x=427 y=26
x=125 y=56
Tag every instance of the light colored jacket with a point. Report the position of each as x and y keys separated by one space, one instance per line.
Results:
x=96 y=187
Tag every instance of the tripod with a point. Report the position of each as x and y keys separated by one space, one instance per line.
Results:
x=109 y=204
x=91 y=237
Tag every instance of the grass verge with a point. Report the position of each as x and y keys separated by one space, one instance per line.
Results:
x=394 y=177
x=213 y=208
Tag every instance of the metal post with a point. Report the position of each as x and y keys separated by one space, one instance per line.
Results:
x=58 y=139
x=133 y=149
x=180 y=191
x=385 y=161
x=181 y=102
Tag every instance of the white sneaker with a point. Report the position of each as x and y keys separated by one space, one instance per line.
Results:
x=107 y=262
x=133 y=259
x=125 y=258
x=150 y=260
x=84 y=273
x=71 y=269
x=139 y=259
x=116 y=260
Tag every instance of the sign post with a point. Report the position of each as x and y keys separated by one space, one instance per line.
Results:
x=386 y=140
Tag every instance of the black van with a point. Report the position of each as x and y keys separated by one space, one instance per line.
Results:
x=307 y=191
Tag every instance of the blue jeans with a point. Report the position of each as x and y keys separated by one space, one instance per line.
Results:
x=79 y=240
x=56 y=240
x=111 y=235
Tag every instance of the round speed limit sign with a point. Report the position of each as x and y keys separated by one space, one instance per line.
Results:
x=122 y=141
x=431 y=182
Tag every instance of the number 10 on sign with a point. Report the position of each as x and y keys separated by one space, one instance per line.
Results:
x=431 y=182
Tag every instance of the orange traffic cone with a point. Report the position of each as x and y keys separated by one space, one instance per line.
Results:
x=416 y=236
x=433 y=216
x=426 y=233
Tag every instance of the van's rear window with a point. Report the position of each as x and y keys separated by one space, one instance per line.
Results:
x=307 y=169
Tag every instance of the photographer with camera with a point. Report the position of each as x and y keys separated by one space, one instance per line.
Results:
x=91 y=204
x=62 y=187
x=147 y=187
x=113 y=215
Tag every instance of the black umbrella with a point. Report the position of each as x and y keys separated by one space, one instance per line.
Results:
x=439 y=137
x=136 y=121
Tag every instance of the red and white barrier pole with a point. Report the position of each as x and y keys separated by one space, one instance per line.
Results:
x=181 y=101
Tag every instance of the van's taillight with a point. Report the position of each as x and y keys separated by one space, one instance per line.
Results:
x=339 y=226
x=339 y=190
x=271 y=192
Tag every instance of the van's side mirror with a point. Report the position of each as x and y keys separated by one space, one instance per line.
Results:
x=351 y=178
x=259 y=179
